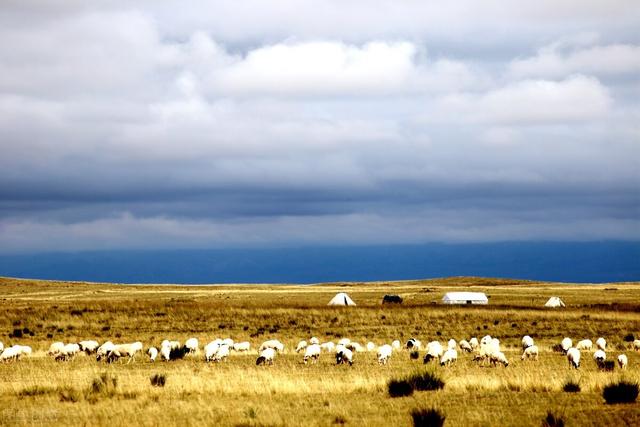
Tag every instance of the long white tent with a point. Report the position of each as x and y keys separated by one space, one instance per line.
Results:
x=465 y=298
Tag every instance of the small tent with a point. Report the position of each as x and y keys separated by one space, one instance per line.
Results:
x=465 y=298
x=554 y=302
x=341 y=299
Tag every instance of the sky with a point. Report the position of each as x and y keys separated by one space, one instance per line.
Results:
x=152 y=125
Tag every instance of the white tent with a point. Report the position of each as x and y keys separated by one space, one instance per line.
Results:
x=554 y=302
x=465 y=298
x=341 y=299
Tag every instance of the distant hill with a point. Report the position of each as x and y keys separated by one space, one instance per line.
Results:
x=564 y=262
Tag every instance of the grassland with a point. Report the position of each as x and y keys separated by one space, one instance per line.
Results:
x=38 y=390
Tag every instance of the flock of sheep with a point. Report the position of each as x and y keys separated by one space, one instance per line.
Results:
x=487 y=350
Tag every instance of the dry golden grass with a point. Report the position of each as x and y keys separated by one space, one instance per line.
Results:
x=38 y=390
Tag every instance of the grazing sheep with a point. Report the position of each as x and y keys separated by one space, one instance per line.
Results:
x=599 y=356
x=191 y=345
x=344 y=341
x=89 y=347
x=573 y=356
x=103 y=350
x=222 y=353
x=384 y=353
x=1 y=347
x=127 y=350
x=55 y=348
x=486 y=340
x=242 y=346
x=173 y=345
x=395 y=344
x=434 y=351
x=327 y=346
x=449 y=356
x=498 y=357
x=228 y=342
x=10 y=354
x=636 y=345
x=473 y=342
x=153 y=353
x=566 y=344
x=465 y=346
x=623 y=361
x=301 y=346
x=601 y=343
x=24 y=350
x=530 y=352
x=413 y=344
x=312 y=352
x=354 y=346
x=274 y=344
x=343 y=355
x=210 y=350
x=68 y=352
x=266 y=356
x=452 y=344
x=584 y=345
x=527 y=341
x=165 y=353
x=314 y=340
x=371 y=346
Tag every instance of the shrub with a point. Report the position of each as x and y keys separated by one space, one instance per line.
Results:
x=414 y=355
x=621 y=392
x=17 y=333
x=76 y=312
x=69 y=394
x=427 y=418
x=552 y=420
x=400 y=388
x=158 y=380
x=629 y=338
x=102 y=387
x=426 y=381
x=571 y=387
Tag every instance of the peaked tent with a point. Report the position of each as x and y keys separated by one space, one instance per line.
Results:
x=341 y=299
x=554 y=302
x=465 y=298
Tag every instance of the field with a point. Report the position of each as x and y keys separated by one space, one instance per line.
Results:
x=38 y=390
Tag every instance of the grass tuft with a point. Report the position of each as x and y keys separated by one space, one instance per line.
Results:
x=571 y=387
x=552 y=420
x=400 y=388
x=158 y=380
x=427 y=417
x=620 y=392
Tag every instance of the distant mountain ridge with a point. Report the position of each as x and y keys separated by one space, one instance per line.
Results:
x=591 y=262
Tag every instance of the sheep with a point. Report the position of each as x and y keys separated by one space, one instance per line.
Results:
x=103 y=350
x=314 y=340
x=498 y=357
x=599 y=356
x=530 y=352
x=371 y=346
x=354 y=346
x=473 y=342
x=24 y=350
x=527 y=341
x=601 y=343
x=1 y=347
x=486 y=340
x=266 y=356
x=312 y=352
x=395 y=344
x=222 y=353
x=343 y=356
x=165 y=352
x=274 y=344
x=127 y=350
x=452 y=344
x=68 y=352
x=413 y=344
x=566 y=344
x=301 y=346
x=584 y=345
x=10 y=354
x=153 y=353
x=344 y=341
x=449 y=356
x=327 y=346
x=636 y=345
x=191 y=345
x=573 y=356
x=210 y=350
x=55 y=348
x=241 y=346
x=173 y=345
x=623 y=361
x=434 y=351
x=89 y=347
x=384 y=353
x=465 y=346
x=228 y=342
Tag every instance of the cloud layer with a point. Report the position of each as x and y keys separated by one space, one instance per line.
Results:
x=224 y=125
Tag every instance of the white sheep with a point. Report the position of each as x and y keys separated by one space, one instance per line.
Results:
x=434 y=351
x=327 y=346
x=172 y=345
x=343 y=356
x=527 y=341
x=566 y=344
x=301 y=346
x=623 y=361
x=601 y=343
x=67 y=352
x=413 y=344
x=498 y=357
x=1 y=347
x=312 y=352
x=452 y=344
x=55 y=348
x=473 y=342
x=371 y=346
x=584 y=345
x=599 y=356
x=314 y=340
x=165 y=352
x=384 y=353
x=222 y=353
x=153 y=353
x=636 y=345
x=486 y=340
x=104 y=349
x=274 y=344
x=354 y=346
x=573 y=356
x=395 y=344
x=344 y=341
x=191 y=345
x=10 y=354
x=266 y=356
x=228 y=342
x=89 y=346
x=24 y=350
x=530 y=352
x=242 y=346
x=125 y=350
x=211 y=349
x=465 y=346
x=449 y=356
